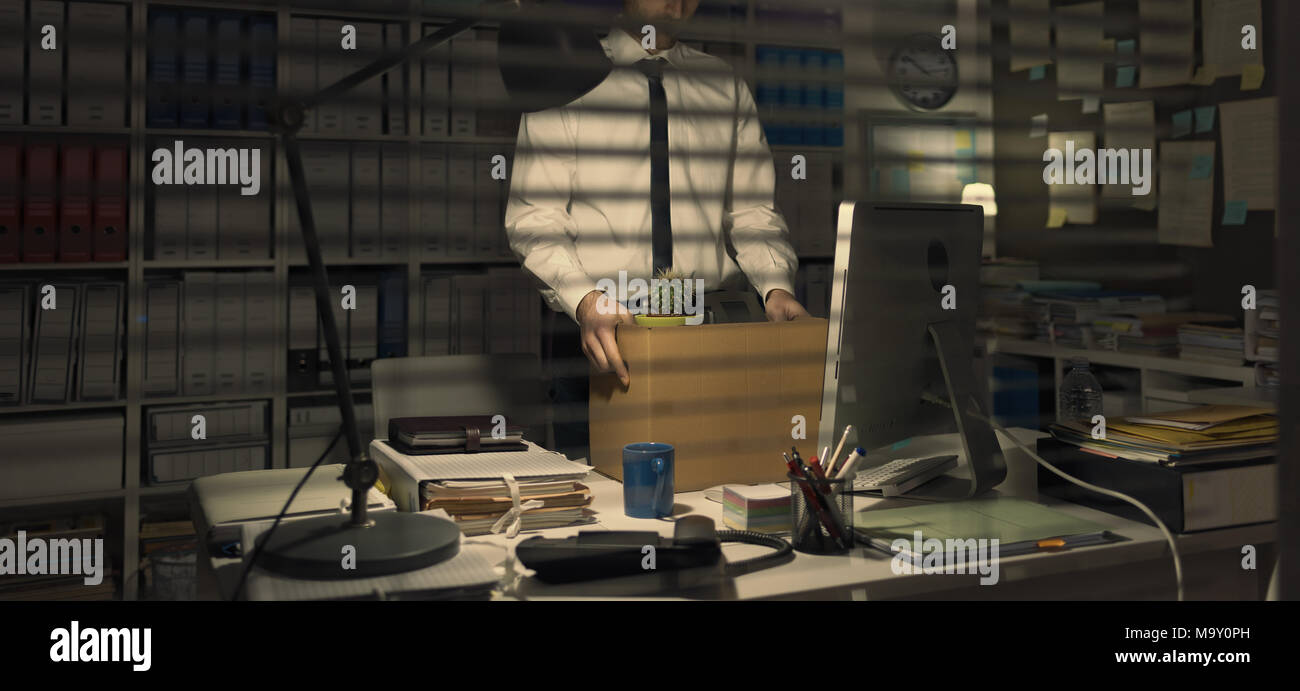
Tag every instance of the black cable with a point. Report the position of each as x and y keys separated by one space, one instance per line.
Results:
x=257 y=551
x=784 y=551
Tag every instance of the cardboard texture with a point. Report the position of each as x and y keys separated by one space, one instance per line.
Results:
x=722 y=394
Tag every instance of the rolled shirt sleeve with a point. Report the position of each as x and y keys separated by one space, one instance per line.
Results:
x=537 y=220
x=758 y=232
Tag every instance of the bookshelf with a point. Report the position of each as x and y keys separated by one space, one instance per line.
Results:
x=124 y=506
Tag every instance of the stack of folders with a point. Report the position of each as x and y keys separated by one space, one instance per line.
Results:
x=1216 y=344
x=476 y=506
x=1065 y=316
x=760 y=508
x=1205 y=434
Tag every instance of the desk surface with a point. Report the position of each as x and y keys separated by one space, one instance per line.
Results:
x=866 y=574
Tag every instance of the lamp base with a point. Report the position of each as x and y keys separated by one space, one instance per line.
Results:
x=317 y=548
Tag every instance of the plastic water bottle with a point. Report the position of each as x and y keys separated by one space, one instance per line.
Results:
x=1080 y=393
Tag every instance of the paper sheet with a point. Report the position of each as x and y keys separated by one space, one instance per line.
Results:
x=1166 y=41
x=1078 y=201
x=1080 y=67
x=1129 y=126
x=472 y=568
x=1030 y=33
x=1186 y=200
x=1221 y=23
x=534 y=463
x=1249 y=133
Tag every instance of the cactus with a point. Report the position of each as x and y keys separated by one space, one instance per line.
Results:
x=669 y=293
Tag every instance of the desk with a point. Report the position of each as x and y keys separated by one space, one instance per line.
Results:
x=1137 y=568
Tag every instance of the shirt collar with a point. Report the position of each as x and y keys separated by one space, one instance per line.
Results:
x=627 y=50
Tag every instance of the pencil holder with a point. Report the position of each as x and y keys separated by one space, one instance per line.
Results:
x=821 y=515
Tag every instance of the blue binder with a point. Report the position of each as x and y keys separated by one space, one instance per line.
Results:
x=163 y=108
x=194 y=71
x=261 y=71
x=227 y=101
x=392 y=315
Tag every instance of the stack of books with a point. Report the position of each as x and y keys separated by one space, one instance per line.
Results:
x=1261 y=338
x=476 y=505
x=1205 y=434
x=1066 y=317
x=1149 y=334
x=1007 y=309
x=1220 y=345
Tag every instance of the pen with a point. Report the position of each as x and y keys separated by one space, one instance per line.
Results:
x=830 y=469
x=850 y=464
x=822 y=504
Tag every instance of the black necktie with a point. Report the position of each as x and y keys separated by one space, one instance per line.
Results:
x=661 y=221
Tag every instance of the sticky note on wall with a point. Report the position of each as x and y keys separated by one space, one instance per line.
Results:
x=1125 y=76
x=1234 y=213
x=1182 y=124
x=1205 y=118
x=1202 y=167
x=1037 y=72
x=1055 y=217
x=1252 y=77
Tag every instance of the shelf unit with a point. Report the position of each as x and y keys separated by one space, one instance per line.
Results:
x=1154 y=372
x=131 y=499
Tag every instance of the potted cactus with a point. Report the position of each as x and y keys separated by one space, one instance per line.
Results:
x=670 y=293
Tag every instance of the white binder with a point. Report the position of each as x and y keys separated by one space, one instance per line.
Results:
x=54 y=345
x=100 y=365
x=197 y=333
x=13 y=15
x=228 y=358
x=302 y=65
x=14 y=335
x=394 y=204
x=45 y=67
x=97 y=78
x=259 y=331
x=433 y=202
x=162 y=338
x=365 y=200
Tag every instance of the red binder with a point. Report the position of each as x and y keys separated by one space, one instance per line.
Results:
x=10 y=198
x=40 y=215
x=74 y=204
x=110 y=203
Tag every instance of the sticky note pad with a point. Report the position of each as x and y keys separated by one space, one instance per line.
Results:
x=1055 y=217
x=1234 y=213
x=1037 y=72
x=1205 y=119
x=1038 y=125
x=961 y=139
x=1126 y=76
x=1182 y=124
x=1202 y=167
x=1252 y=77
x=900 y=181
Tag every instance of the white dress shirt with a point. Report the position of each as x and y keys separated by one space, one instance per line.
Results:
x=579 y=207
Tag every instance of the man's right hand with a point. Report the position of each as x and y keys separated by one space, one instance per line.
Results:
x=598 y=316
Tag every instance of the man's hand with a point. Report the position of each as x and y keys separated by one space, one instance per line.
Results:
x=782 y=307
x=598 y=315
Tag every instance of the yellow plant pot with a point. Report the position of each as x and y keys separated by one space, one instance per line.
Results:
x=651 y=320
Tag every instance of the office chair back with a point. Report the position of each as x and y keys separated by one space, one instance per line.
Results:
x=509 y=385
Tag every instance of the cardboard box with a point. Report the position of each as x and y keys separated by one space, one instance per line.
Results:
x=722 y=394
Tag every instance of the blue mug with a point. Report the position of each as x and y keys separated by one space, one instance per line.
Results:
x=648 y=480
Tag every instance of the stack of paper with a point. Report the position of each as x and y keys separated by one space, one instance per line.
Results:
x=1221 y=345
x=477 y=505
x=1066 y=317
x=760 y=508
x=1151 y=334
x=1205 y=434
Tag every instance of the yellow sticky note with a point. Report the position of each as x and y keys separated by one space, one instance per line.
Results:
x=1055 y=217
x=1204 y=76
x=1108 y=45
x=961 y=139
x=915 y=161
x=1252 y=77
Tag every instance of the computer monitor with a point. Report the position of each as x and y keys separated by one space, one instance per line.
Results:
x=902 y=322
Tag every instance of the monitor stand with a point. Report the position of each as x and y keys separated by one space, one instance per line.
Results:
x=984 y=460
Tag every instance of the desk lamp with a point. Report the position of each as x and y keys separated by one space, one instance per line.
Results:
x=546 y=61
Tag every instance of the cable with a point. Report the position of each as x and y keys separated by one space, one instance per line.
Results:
x=784 y=551
x=257 y=551
x=1169 y=537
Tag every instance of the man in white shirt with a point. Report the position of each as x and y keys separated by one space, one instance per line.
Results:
x=593 y=193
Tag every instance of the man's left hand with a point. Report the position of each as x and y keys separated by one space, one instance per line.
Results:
x=781 y=307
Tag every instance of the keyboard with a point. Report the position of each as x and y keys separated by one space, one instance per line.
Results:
x=902 y=475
